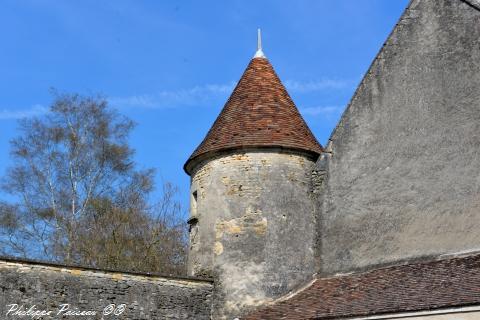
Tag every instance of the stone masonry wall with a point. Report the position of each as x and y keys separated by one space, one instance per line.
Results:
x=404 y=172
x=255 y=228
x=48 y=287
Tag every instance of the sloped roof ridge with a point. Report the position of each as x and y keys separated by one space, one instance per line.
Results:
x=365 y=76
x=474 y=3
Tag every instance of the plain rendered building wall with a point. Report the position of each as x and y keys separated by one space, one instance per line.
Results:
x=48 y=287
x=468 y=313
x=452 y=316
x=404 y=170
x=255 y=229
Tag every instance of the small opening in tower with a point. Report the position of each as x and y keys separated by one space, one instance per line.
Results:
x=192 y=223
x=193 y=204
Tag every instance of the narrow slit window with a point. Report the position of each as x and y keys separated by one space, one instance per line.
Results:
x=192 y=224
x=193 y=204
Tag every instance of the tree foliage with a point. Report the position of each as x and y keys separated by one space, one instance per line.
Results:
x=80 y=198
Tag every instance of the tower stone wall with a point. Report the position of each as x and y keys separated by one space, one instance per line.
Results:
x=252 y=226
x=253 y=218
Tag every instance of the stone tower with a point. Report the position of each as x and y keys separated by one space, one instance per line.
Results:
x=252 y=223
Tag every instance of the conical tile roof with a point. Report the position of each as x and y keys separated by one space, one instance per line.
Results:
x=259 y=113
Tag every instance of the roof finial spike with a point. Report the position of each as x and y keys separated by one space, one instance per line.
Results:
x=259 y=39
x=259 y=53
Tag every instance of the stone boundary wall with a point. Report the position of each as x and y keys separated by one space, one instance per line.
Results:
x=71 y=292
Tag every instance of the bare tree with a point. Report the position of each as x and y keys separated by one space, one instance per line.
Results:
x=80 y=198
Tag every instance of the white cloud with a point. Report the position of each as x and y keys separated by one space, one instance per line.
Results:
x=196 y=96
x=212 y=93
x=316 y=85
x=176 y=98
x=322 y=110
x=35 y=110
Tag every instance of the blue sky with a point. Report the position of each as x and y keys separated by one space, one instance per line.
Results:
x=171 y=65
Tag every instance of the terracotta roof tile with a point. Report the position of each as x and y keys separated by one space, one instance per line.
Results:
x=453 y=282
x=259 y=113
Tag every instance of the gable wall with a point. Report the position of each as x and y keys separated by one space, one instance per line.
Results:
x=404 y=169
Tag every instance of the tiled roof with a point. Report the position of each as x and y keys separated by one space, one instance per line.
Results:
x=259 y=113
x=438 y=284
